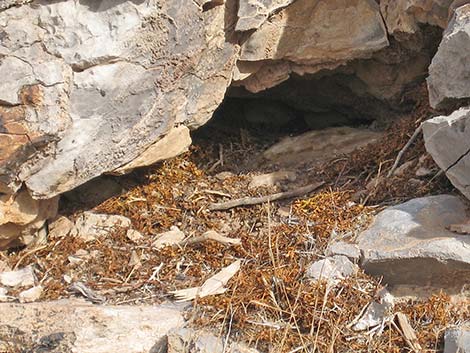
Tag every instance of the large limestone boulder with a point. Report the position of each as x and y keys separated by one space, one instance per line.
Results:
x=89 y=86
x=449 y=72
x=447 y=139
x=410 y=244
x=308 y=36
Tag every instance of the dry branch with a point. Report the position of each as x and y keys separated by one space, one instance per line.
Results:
x=403 y=150
x=248 y=201
x=211 y=235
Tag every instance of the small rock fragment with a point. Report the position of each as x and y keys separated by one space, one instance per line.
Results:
x=3 y=294
x=90 y=226
x=351 y=251
x=332 y=269
x=60 y=227
x=22 y=278
x=30 y=295
x=271 y=179
x=172 y=237
x=134 y=235
x=376 y=313
x=457 y=340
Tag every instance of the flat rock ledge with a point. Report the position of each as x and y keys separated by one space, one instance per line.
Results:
x=410 y=244
x=76 y=326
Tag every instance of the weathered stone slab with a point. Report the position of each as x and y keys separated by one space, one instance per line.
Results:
x=447 y=139
x=449 y=72
x=409 y=244
x=308 y=36
x=89 y=328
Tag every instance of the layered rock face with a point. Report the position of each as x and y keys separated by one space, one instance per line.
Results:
x=95 y=87
x=91 y=85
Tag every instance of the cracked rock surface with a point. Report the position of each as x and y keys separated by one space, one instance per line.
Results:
x=410 y=244
x=447 y=139
x=88 y=86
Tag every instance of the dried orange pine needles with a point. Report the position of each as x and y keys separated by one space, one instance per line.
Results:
x=269 y=303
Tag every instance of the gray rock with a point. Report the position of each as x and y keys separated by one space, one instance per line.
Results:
x=447 y=139
x=409 y=244
x=185 y=340
x=95 y=328
x=457 y=340
x=449 y=72
x=89 y=86
x=351 y=251
x=331 y=269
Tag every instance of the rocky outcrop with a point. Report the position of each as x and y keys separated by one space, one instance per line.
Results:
x=89 y=86
x=410 y=244
x=403 y=17
x=449 y=72
x=454 y=130
x=309 y=36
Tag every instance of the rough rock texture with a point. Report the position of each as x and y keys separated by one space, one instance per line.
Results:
x=86 y=328
x=454 y=130
x=331 y=269
x=89 y=86
x=409 y=244
x=457 y=340
x=308 y=36
x=252 y=13
x=185 y=340
x=403 y=17
x=21 y=216
x=316 y=144
x=449 y=73
x=172 y=144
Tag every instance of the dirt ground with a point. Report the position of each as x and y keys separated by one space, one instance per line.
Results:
x=269 y=302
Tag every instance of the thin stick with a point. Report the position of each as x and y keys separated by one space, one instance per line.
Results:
x=248 y=201
x=403 y=150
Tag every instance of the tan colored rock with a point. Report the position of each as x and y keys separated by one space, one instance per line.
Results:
x=308 y=36
x=21 y=217
x=405 y=16
x=90 y=226
x=319 y=145
x=271 y=179
x=172 y=144
x=60 y=227
x=93 y=328
x=172 y=237
x=30 y=295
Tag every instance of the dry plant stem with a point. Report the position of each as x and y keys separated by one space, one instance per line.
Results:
x=404 y=149
x=249 y=201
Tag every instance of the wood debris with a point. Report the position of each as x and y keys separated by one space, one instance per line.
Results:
x=212 y=286
x=211 y=235
x=249 y=201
